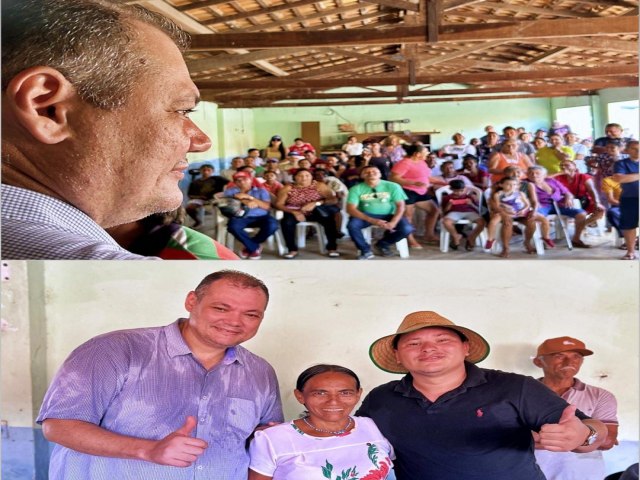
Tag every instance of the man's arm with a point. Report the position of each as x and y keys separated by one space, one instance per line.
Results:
x=612 y=437
x=625 y=177
x=177 y=449
x=570 y=433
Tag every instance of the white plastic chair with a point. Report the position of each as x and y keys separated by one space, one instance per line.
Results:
x=444 y=234
x=497 y=244
x=301 y=232
x=402 y=246
x=560 y=225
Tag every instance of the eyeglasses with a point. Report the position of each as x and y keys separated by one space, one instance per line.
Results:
x=375 y=193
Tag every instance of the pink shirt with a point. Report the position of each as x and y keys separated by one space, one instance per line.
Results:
x=413 y=172
x=598 y=403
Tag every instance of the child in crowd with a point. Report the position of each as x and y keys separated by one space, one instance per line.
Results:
x=507 y=204
x=461 y=204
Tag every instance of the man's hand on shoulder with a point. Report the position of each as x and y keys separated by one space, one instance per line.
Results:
x=177 y=449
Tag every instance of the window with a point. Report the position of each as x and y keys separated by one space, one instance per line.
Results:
x=626 y=114
x=578 y=118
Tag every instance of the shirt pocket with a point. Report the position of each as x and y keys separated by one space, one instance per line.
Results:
x=241 y=419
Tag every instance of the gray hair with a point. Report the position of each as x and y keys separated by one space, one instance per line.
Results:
x=540 y=168
x=93 y=43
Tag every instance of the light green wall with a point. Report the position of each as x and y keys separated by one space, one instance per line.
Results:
x=233 y=131
x=205 y=117
x=469 y=118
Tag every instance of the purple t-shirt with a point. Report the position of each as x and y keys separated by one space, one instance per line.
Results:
x=558 y=191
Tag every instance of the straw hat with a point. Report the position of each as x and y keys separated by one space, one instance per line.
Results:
x=382 y=353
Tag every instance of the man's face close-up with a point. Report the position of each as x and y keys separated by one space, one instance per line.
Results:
x=143 y=145
x=431 y=351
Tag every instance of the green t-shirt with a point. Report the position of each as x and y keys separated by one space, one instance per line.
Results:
x=379 y=201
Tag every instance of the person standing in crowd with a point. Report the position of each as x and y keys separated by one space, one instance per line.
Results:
x=560 y=359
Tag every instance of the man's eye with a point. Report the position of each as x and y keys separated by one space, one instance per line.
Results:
x=186 y=112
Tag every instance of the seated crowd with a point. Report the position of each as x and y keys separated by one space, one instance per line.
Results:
x=504 y=179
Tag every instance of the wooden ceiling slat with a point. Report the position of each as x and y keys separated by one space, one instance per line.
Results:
x=229 y=60
x=374 y=59
x=397 y=4
x=460 y=53
x=553 y=12
x=262 y=11
x=415 y=34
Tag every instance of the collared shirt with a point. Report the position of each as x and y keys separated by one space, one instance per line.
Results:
x=145 y=383
x=478 y=431
x=39 y=227
x=255 y=192
x=598 y=403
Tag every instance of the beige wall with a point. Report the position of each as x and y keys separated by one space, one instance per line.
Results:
x=328 y=311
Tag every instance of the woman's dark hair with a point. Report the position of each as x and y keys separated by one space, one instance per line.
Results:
x=281 y=148
x=302 y=170
x=413 y=149
x=311 y=372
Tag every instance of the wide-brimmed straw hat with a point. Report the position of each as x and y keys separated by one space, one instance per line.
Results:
x=382 y=352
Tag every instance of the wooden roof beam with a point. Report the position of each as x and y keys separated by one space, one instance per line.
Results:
x=232 y=59
x=415 y=34
x=311 y=94
x=353 y=81
x=193 y=27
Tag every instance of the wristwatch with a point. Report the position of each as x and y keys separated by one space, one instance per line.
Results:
x=591 y=438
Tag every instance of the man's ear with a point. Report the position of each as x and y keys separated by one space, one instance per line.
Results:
x=39 y=100
x=537 y=362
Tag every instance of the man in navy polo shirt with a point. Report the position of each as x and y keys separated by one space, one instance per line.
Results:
x=448 y=419
x=626 y=173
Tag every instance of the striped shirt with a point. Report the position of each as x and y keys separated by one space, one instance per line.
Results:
x=144 y=383
x=39 y=227
x=598 y=403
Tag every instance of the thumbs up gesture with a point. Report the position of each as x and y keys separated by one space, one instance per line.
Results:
x=564 y=436
x=179 y=448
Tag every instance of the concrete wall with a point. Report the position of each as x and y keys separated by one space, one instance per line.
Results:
x=321 y=312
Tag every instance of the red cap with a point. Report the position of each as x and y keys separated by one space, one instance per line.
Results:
x=563 y=344
x=241 y=174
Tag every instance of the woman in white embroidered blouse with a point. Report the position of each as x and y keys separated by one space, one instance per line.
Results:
x=327 y=442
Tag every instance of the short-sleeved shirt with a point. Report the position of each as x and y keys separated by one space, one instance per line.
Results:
x=145 y=383
x=480 y=430
x=284 y=452
x=558 y=191
x=256 y=192
x=547 y=157
x=207 y=187
x=627 y=166
x=412 y=171
x=459 y=203
x=380 y=200
x=598 y=403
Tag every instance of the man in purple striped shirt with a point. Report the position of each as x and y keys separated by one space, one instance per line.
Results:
x=175 y=402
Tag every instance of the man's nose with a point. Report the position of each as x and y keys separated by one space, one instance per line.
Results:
x=200 y=142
